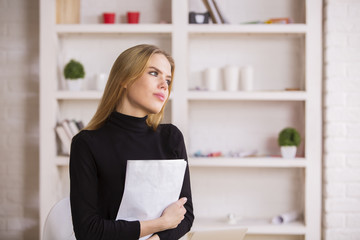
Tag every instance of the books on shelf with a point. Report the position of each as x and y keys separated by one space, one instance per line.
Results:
x=215 y=12
x=65 y=131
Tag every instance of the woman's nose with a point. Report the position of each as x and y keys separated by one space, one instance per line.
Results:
x=163 y=83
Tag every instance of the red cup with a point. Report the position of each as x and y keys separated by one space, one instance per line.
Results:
x=133 y=17
x=109 y=18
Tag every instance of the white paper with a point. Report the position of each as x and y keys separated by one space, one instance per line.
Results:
x=150 y=186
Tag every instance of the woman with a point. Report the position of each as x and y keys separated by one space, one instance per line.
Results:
x=126 y=127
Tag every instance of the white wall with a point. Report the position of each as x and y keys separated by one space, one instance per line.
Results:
x=342 y=120
x=19 y=93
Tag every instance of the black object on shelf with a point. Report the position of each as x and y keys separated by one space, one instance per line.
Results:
x=199 y=18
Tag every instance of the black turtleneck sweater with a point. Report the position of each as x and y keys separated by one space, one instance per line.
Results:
x=97 y=175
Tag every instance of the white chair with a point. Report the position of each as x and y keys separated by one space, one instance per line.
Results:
x=58 y=224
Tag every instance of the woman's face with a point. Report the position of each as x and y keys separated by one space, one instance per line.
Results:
x=148 y=94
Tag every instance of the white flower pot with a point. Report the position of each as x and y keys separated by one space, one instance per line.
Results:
x=74 y=84
x=288 y=151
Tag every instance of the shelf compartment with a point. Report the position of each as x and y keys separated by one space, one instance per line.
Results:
x=243 y=126
x=271 y=162
x=254 y=226
x=104 y=50
x=112 y=28
x=238 y=12
x=259 y=193
x=248 y=29
x=151 y=11
x=281 y=68
x=256 y=95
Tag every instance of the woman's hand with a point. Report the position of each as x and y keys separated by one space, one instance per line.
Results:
x=174 y=214
x=170 y=218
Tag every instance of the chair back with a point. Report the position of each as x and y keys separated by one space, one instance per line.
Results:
x=58 y=224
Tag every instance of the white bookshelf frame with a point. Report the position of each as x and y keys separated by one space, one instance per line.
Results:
x=181 y=32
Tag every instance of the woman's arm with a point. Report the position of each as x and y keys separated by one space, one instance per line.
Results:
x=87 y=221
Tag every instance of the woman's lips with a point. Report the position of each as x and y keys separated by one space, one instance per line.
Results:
x=160 y=96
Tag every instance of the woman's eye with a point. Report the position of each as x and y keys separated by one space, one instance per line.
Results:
x=154 y=73
x=168 y=82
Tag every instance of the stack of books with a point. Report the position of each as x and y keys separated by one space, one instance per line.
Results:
x=65 y=131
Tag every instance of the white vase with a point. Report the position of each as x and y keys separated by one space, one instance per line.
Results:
x=288 y=151
x=231 y=78
x=247 y=78
x=212 y=78
x=101 y=79
x=74 y=84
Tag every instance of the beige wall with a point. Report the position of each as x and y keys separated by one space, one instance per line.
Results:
x=19 y=96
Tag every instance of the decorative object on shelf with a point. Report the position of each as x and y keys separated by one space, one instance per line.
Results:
x=109 y=17
x=231 y=78
x=271 y=21
x=74 y=73
x=133 y=17
x=247 y=78
x=101 y=79
x=212 y=78
x=199 y=18
x=286 y=217
x=278 y=21
x=67 y=11
x=289 y=139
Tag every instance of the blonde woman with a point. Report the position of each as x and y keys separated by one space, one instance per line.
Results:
x=126 y=126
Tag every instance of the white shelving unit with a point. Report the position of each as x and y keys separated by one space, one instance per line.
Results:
x=283 y=56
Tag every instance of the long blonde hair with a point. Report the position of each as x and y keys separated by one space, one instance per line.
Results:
x=128 y=67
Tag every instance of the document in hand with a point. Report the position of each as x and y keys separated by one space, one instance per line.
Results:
x=150 y=186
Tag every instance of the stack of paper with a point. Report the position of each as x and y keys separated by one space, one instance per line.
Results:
x=150 y=186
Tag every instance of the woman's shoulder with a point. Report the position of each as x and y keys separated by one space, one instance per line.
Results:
x=171 y=130
x=82 y=136
x=86 y=135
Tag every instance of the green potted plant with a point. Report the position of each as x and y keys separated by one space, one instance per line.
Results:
x=74 y=73
x=289 y=139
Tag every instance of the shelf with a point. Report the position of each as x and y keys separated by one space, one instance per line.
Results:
x=62 y=161
x=228 y=162
x=248 y=28
x=113 y=28
x=272 y=162
x=254 y=227
x=79 y=95
x=82 y=95
x=260 y=95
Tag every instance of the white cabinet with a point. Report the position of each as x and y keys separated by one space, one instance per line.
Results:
x=283 y=56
